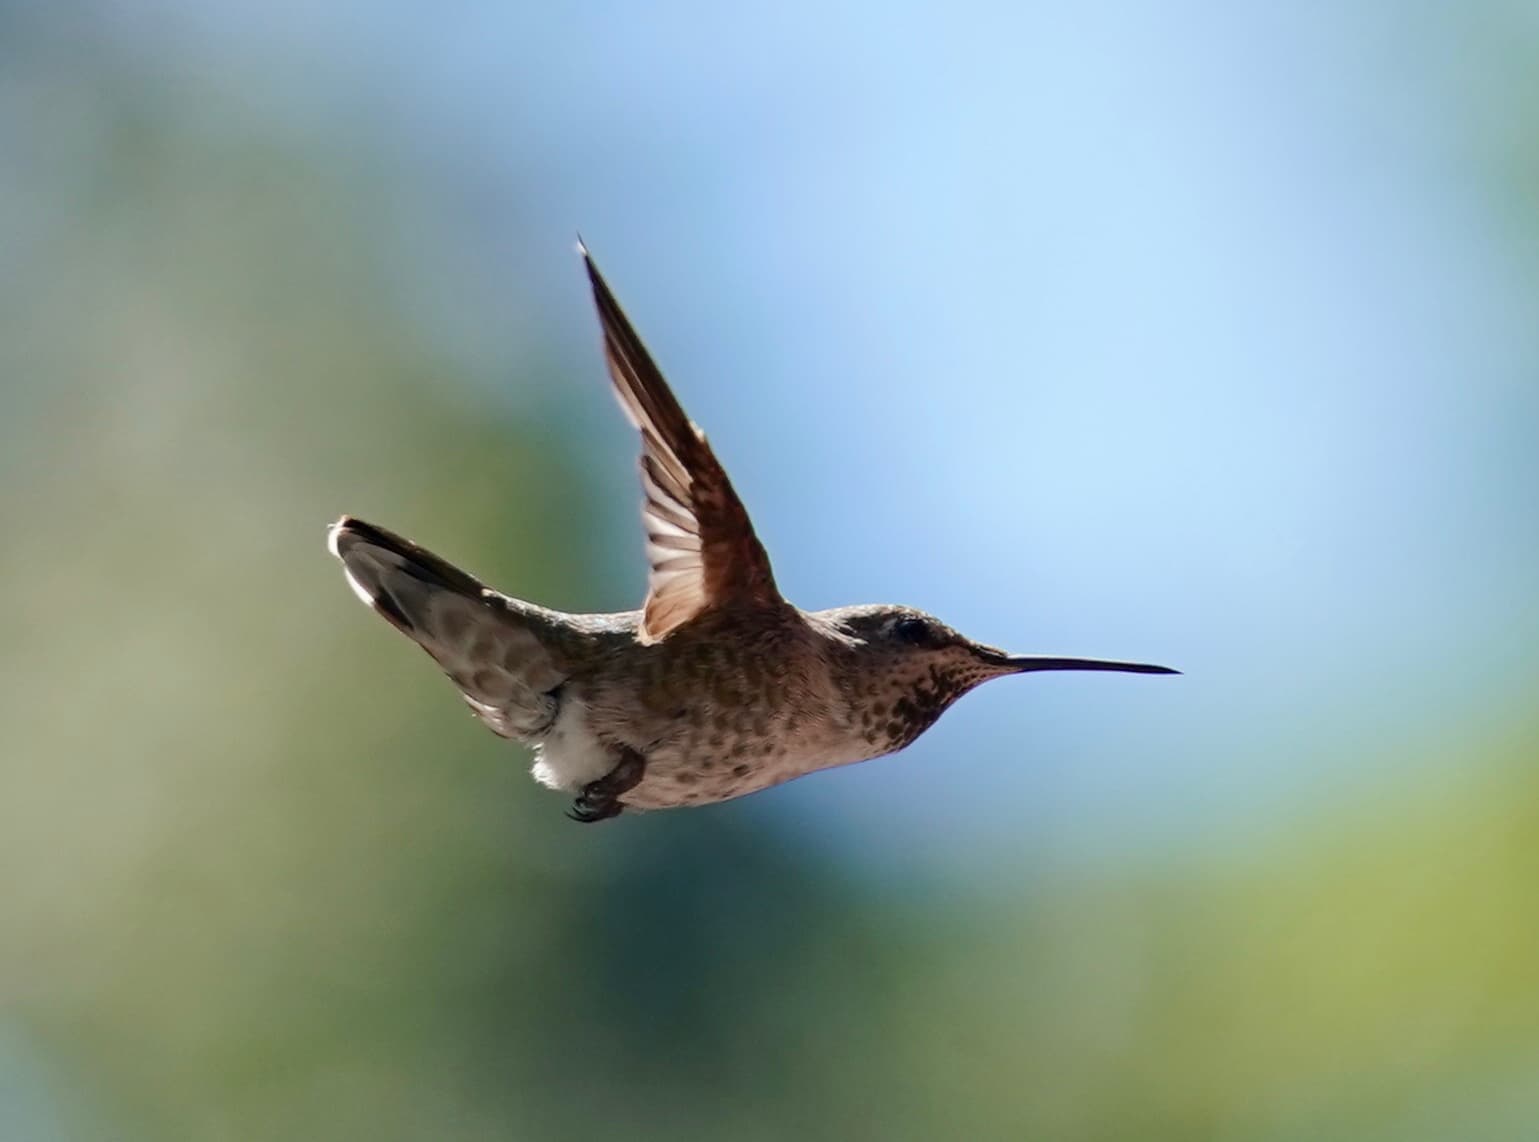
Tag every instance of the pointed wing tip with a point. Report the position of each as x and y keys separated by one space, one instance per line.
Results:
x=595 y=279
x=589 y=264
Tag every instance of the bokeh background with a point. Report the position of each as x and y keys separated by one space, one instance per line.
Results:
x=1197 y=333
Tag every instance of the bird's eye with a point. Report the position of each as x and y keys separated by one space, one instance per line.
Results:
x=912 y=630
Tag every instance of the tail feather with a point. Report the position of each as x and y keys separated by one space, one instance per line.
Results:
x=494 y=654
x=379 y=564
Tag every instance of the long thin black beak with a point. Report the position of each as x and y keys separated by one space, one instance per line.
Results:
x=1026 y=663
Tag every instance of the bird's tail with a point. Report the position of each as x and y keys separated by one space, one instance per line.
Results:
x=493 y=652
x=394 y=576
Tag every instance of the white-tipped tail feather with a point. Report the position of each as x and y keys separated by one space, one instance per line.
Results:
x=492 y=653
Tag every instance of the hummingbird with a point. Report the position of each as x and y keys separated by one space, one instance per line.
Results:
x=717 y=687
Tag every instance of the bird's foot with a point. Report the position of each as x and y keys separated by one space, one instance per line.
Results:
x=600 y=800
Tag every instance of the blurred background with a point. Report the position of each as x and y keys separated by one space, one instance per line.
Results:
x=1194 y=333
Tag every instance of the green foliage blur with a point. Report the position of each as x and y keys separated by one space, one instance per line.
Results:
x=262 y=878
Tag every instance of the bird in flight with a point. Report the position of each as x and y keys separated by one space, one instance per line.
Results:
x=718 y=686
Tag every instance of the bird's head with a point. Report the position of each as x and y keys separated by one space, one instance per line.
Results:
x=905 y=667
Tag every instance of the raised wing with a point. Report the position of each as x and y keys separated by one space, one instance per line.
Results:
x=700 y=543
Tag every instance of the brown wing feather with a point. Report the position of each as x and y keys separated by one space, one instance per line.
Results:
x=700 y=543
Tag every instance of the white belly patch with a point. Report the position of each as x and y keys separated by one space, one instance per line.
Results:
x=569 y=756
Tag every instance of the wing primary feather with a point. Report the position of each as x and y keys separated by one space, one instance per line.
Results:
x=701 y=545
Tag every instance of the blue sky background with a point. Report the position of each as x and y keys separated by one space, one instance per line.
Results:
x=1189 y=333
x=1195 y=333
